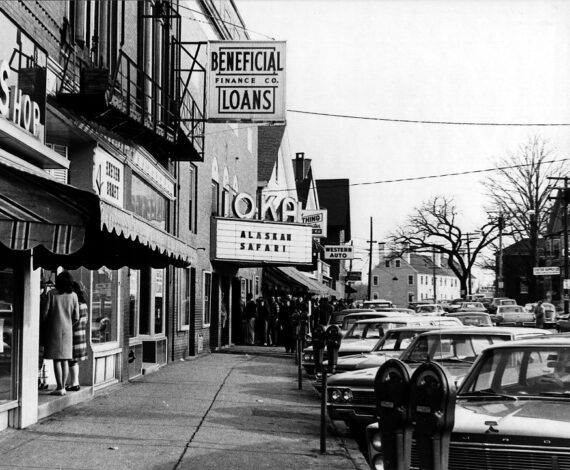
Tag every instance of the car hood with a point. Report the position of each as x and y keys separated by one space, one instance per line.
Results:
x=538 y=419
x=364 y=361
x=365 y=377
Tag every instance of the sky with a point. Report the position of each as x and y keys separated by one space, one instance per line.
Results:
x=476 y=61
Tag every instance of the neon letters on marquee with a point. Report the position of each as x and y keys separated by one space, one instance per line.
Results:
x=279 y=209
x=16 y=106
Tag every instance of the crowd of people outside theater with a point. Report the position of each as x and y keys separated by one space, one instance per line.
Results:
x=274 y=320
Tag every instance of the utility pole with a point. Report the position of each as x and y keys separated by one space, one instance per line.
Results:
x=434 y=279
x=371 y=241
x=501 y=223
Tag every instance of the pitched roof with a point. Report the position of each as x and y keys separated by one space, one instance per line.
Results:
x=269 y=142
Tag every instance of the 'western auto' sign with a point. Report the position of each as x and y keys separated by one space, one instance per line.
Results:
x=246 y=81
x=339 y=252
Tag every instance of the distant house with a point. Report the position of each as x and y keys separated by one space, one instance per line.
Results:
x=411 y=278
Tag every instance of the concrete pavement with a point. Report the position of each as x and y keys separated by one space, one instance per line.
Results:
x=239 y=410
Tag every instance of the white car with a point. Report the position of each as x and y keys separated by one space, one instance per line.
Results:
x=514 y=315
x=430 y=309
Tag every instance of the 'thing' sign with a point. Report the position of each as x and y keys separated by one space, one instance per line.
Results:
x=246 y=81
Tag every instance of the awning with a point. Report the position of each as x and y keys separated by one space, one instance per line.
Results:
x=69 y=227
x=287 y=278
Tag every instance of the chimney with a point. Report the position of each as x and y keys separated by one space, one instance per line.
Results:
x=299 y=166
x=381 y=253
x=437 y=259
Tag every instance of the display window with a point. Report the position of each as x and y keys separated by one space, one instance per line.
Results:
x=103 y=299
x=8 y=338
x=147 y=293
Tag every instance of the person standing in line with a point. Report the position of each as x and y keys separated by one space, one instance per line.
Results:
x=79 y=338
x=262 y=320
x=539 y=314
x=60 y=312
x=250 y=315
x=272 y=320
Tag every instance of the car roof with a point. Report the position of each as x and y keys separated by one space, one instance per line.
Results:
x=351 y=311
x=420 y=328
x=465 y=313
x=374 y=315
x=493 y=330
x=403 y=318
x=550 y=340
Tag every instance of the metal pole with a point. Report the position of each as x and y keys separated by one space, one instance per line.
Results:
x=469 y=264
x=324 y=411
x=500 y=263
x=566 y=309
x=371 y=241
x=300 y=356
x=434 y=279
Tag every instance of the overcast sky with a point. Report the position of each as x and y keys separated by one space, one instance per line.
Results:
x=500 y=61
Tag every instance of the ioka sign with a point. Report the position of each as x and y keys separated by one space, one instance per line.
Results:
x=284 y=209
x=246 y=81
x=16 y=106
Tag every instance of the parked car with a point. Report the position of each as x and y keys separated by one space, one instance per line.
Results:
x=365 y=334
x=472 y=318
x=430 y=309
x=350 y=319
x=350 y=395
x=338 y=317
x=549 y=313
x=513 y=315
x=520 y=390
x=471 y=307
x=377 y=303
x=498 y=301
x=454 y=305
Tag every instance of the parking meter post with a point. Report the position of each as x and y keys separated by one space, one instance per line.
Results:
x=392 y=392
x=432 y=409
x=318 y=343
x=333 y=339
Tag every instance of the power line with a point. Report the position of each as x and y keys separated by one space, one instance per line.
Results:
x=422 y=121
x=441 y=175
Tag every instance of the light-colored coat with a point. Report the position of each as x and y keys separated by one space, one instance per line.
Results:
x=60 y=312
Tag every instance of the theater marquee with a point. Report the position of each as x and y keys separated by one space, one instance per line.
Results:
x=259 y=243
x=246 y=81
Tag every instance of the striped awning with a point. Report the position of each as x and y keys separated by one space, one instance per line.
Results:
x=70 y=227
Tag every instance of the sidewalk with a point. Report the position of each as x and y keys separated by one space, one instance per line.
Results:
x=238 y=410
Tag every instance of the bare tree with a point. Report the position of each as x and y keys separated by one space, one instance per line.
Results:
x=433 y=228
x=519 y=191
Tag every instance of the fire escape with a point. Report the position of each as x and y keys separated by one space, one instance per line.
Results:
x=167 y=118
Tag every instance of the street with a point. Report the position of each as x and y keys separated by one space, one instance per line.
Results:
x=239 y=409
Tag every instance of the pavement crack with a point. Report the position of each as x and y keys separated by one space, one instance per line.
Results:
x=188 y=444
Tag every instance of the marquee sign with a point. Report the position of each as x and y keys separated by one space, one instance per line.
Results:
x=246 y=81
x=258 y=242
x=339 y=252
x=318 y=220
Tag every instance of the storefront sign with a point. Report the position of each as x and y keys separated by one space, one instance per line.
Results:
x=546 y=270
x=339 y=252
x=108 y=177
x=318 y=220
x=284 y=209
x=354 y=276
x=246 y=81
x=152 y=171
x=18 y=107
x=261 y=242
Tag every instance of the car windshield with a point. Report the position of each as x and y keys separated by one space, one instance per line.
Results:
x=521 y=372
x=396 y=341
x=476 y=320
x=449 y=347
x=371 y=330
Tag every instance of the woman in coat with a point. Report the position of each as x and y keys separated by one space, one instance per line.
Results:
x=60 y=312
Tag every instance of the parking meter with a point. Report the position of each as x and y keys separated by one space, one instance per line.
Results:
x=392 y=391
x=319 y=342
x=432 y=408
x=333 y=339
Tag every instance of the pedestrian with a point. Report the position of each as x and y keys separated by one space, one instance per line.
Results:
x=60 y=312
x=79 y=338
x=251 y=316
x=325 y=311
x=285 y=324
x=272 y=322
x=539 y=314
x=262 y=320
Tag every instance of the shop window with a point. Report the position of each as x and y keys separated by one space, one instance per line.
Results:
x=374 y=280
x=134 y=299
x=8 y=337
x=207 y=294
x=151 y=308
x=215 y=198
x=556 y=248
x=104 y=298
x=150 y=204
x=185 y=298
